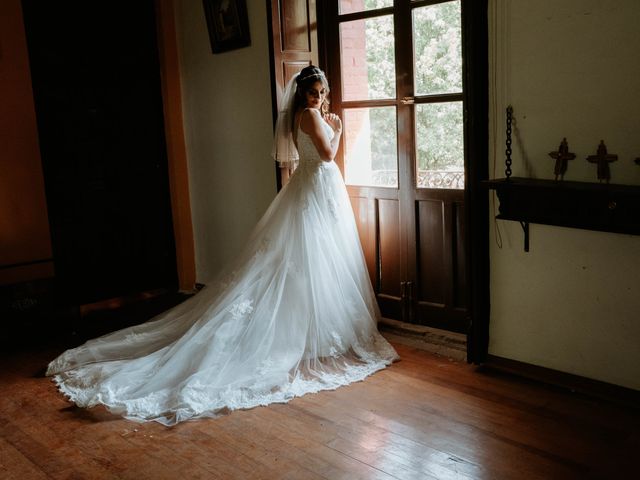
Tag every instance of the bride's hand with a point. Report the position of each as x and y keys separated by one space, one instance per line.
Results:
x=334 y=121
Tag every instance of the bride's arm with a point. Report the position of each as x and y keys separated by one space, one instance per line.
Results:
x=311 y=124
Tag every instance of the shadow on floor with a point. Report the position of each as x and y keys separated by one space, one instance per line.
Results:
x=71 y=326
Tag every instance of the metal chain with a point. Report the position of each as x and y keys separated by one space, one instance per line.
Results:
x=507 y=161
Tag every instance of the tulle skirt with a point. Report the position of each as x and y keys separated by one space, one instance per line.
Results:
x=293 y=314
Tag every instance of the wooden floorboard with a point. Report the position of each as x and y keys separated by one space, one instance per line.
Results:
x=425 y=417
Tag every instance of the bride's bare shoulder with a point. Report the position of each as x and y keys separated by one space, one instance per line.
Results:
x=310 y=118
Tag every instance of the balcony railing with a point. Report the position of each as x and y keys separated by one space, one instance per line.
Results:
x=453 y=179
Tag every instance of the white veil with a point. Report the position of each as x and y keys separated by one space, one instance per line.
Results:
x=284 y=151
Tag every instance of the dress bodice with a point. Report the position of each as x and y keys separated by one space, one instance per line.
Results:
x=306 y=149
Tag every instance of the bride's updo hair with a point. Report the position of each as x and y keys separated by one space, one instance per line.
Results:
x=306 y=78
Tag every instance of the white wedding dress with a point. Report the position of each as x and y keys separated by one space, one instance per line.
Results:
x=294 y=314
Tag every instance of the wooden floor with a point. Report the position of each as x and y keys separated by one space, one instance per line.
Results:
x=425 y=417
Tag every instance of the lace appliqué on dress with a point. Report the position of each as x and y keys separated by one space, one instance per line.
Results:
x=241 y=309
x=134 y=337
x=263 y=247
x=333 y=209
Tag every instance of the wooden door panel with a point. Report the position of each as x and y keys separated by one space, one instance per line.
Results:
x=296 y=31
x=389 y=277
x=294 y=45
x=440 y=253
x=294 y=39
x=291 y=67
x=364 y=212
x=451 y=319
x=431 y=251
x=388 y=258
x=377 y=215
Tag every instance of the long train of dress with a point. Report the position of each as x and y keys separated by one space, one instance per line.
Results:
x=293 y=314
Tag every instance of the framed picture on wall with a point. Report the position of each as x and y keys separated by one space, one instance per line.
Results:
x=228 y=24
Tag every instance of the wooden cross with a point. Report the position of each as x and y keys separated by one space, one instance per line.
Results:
x=562 y=156
x=603 y=159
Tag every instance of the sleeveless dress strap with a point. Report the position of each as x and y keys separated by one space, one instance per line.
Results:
x=297 y=129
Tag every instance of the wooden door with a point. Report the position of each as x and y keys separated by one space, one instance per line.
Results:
x=96 y=83
x=294 y=37
x=397 y=80
x=294 y=45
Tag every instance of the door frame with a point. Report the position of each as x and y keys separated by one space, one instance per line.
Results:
x=176 y=145
x=475 y=38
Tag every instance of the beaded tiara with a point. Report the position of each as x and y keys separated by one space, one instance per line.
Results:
x=315 y=73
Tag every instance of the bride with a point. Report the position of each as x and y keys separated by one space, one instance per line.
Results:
x=293 y=314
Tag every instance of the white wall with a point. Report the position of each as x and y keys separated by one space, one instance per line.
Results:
x=228 y=125
x=570 y=68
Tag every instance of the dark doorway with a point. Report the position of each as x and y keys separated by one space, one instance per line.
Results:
x=96 y=82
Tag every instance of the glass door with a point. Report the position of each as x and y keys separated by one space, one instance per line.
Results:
x=399 y=89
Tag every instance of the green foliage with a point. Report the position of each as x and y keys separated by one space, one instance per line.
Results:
x=381 y=74
x=437 y=47
x=373 y=4
x=437 y=69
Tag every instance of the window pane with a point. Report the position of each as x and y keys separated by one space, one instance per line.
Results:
x=437 y=48
x=367 y=59
x=350 y=6
x=440 y=145
x=371 y=154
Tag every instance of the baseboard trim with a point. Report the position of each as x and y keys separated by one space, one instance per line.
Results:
x=568 y=381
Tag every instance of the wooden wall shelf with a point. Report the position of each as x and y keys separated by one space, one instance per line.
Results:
x=591 y=206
